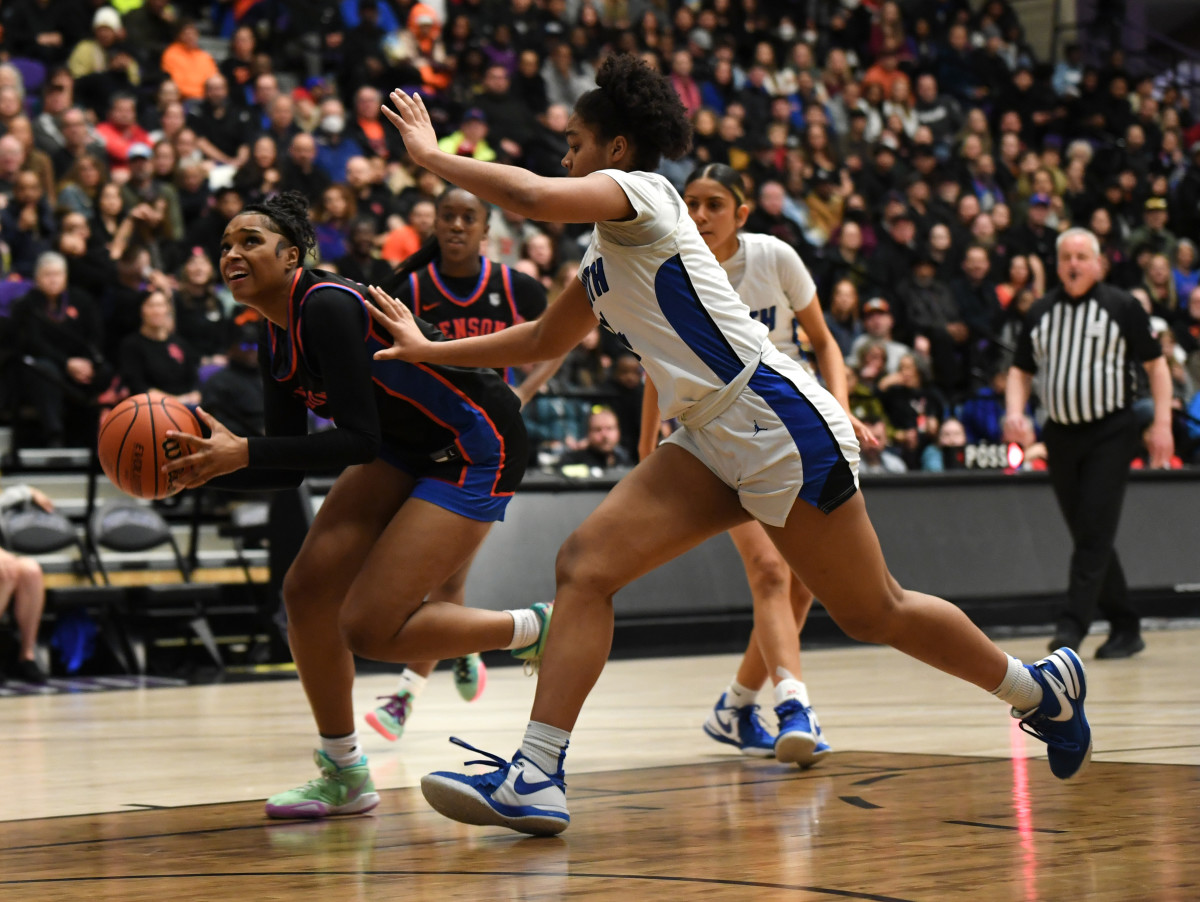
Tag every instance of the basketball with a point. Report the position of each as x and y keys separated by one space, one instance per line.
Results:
x=133 y=444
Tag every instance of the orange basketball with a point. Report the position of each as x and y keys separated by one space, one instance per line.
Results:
x=133 y=444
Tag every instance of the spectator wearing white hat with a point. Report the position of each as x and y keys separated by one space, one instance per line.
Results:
x=104 y=53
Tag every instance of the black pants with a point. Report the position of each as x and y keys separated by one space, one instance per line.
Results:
x=945 y=354
x=64 y=407
x=1089 y=469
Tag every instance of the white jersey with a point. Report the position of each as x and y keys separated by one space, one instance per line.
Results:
x=653 y=281
x=774 y=283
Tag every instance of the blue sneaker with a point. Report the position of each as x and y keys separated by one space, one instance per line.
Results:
x=741 y=727
x=1059 y=720
x=800 y=739
x=518 y=795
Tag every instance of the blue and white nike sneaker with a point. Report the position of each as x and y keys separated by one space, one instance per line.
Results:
x=741 y=727
x=800 y=739
x=518 y=794
x=1059 y=720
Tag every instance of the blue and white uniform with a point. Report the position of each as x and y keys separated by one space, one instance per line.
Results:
x=771 y=278
x=752 y=414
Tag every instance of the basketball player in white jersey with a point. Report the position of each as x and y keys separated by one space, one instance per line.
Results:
x=761 y=439
x=773 y=281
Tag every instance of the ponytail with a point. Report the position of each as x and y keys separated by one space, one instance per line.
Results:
x=429 y=252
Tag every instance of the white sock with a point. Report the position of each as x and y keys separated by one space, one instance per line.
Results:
x=344 y=750
x=739 y=696
x=1019 y=689
x=526 y=626
x=545 y=746
x=791 y=688
x=411 y=682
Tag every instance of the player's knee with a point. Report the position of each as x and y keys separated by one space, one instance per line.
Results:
x=874 y=619
x=299 y=585
x=579 y=565
x=291 y=589
x=768 y=574
x=372 y=624
x=30 y=571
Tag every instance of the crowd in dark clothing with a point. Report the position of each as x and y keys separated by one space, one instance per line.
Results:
x=919 y=155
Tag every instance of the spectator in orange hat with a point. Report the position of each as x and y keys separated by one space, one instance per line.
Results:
x=419 y=46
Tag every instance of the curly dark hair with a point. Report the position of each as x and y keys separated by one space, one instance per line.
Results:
x=632 y=100
x=288 y=216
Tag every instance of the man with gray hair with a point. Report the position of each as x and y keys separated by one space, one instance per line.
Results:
x=59 y=334
x=1082 y=343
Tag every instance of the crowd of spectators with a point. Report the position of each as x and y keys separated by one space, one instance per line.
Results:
x=916 y=153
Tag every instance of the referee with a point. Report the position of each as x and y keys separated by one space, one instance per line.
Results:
x=1082 y=341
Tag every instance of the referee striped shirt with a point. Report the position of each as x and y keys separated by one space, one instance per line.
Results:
x=1083 y=352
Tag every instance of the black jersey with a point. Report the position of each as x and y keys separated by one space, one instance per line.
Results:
x=324 y=362
x=461 y=308
x=1085 y=352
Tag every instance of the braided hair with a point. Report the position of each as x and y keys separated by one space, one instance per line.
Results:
x=287 y=214
x=632 y=100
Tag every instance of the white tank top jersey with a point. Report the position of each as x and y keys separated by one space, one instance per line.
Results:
x=653 y=281
x=771 y=278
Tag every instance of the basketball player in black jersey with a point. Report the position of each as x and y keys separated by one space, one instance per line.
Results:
x=432 y=456
x=450 y=284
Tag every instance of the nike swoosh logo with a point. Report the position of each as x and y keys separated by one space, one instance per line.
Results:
x=525 y=788
x=1065 y=710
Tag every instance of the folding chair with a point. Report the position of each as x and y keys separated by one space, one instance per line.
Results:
x=124 y=525
x=27 y=529
x=11 y=292
x=33 y=75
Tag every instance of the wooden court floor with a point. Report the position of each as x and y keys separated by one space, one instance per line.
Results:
x=932 y=793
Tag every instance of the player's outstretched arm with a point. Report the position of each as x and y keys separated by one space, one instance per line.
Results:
x=560 y=328
x=592 y=198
